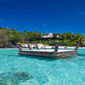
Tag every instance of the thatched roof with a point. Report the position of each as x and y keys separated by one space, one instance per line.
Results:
x=58 y=36
x=50 y=35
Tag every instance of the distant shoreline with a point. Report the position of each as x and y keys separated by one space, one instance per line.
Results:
x=49 y=47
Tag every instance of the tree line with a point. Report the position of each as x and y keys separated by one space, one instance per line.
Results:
x=13 y=36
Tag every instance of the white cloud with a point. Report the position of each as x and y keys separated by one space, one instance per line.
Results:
x=1 y=20
x=44 y=24
x=51 y=30
x=45 y=30
x=82 y=13
x=4 y=0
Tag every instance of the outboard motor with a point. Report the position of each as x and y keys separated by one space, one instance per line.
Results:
x=56 y=45
x=37 y=47
x=77 y=46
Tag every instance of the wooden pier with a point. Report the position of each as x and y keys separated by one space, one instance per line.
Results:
x=49 y=53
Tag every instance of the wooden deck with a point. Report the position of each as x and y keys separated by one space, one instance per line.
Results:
x=48 y=53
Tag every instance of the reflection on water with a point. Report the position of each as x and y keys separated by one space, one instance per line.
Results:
x=81 y=55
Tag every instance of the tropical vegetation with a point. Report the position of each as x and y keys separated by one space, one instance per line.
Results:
x=13 y=36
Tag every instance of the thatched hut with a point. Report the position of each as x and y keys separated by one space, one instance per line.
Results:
x=50 y=37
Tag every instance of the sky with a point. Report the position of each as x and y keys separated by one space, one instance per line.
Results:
x=56 y=16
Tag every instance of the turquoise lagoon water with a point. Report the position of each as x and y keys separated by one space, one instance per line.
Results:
x=28 y=70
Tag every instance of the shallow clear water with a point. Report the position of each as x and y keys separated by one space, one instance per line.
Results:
x=28 y=70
